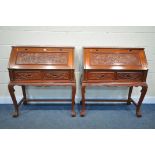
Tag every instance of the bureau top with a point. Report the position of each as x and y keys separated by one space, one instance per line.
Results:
x=41 y=58
x=115 y=58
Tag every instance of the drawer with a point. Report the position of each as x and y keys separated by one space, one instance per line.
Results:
x=57 y=75
x=27 y=75
x=130 y=76
x=97 y=75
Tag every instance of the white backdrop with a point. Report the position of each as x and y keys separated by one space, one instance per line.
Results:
x=78 y=37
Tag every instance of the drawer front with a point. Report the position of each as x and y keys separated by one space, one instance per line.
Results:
x=130 y=76
x=100 y=76
x=27 y=75
x=57 y=75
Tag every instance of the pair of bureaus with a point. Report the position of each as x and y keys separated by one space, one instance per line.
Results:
x=54 y=66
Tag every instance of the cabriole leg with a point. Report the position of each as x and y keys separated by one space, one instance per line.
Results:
x=83 y=102
x=73 y=101
x=12 y=94
x=143 y=92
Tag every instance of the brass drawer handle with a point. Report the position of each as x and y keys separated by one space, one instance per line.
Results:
x=128 y=75
x=54 y=75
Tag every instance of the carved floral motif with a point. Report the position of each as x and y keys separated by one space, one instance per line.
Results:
x=100 y=76
x=57 y=75
x=42 y=58
x=47 y=75
x=27 y=75
x=98 y=58
x=129 y=76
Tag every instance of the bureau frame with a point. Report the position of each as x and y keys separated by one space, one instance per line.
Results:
x=115 y=73
x=41 y=72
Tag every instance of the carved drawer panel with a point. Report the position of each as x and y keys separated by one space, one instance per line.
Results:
x=100 y=75
x=27 y=75
x=130 y=76
x=57 y=75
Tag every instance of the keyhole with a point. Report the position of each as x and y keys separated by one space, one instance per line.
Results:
x=29 y=75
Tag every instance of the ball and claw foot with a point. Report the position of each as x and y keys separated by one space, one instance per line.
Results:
x=82 y=114
x=15 y=114
x=138 y=113
x=73 y=114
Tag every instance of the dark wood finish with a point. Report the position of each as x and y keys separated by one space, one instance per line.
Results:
x=24 y=95
x=129 y=95
x=115 y=67
x=41 y=66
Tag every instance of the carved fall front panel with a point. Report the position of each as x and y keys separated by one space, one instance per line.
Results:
x=52 y=58
x=99 y=58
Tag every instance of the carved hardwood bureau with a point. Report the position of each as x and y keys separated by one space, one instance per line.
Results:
x=115 y=67
x=41 y=66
